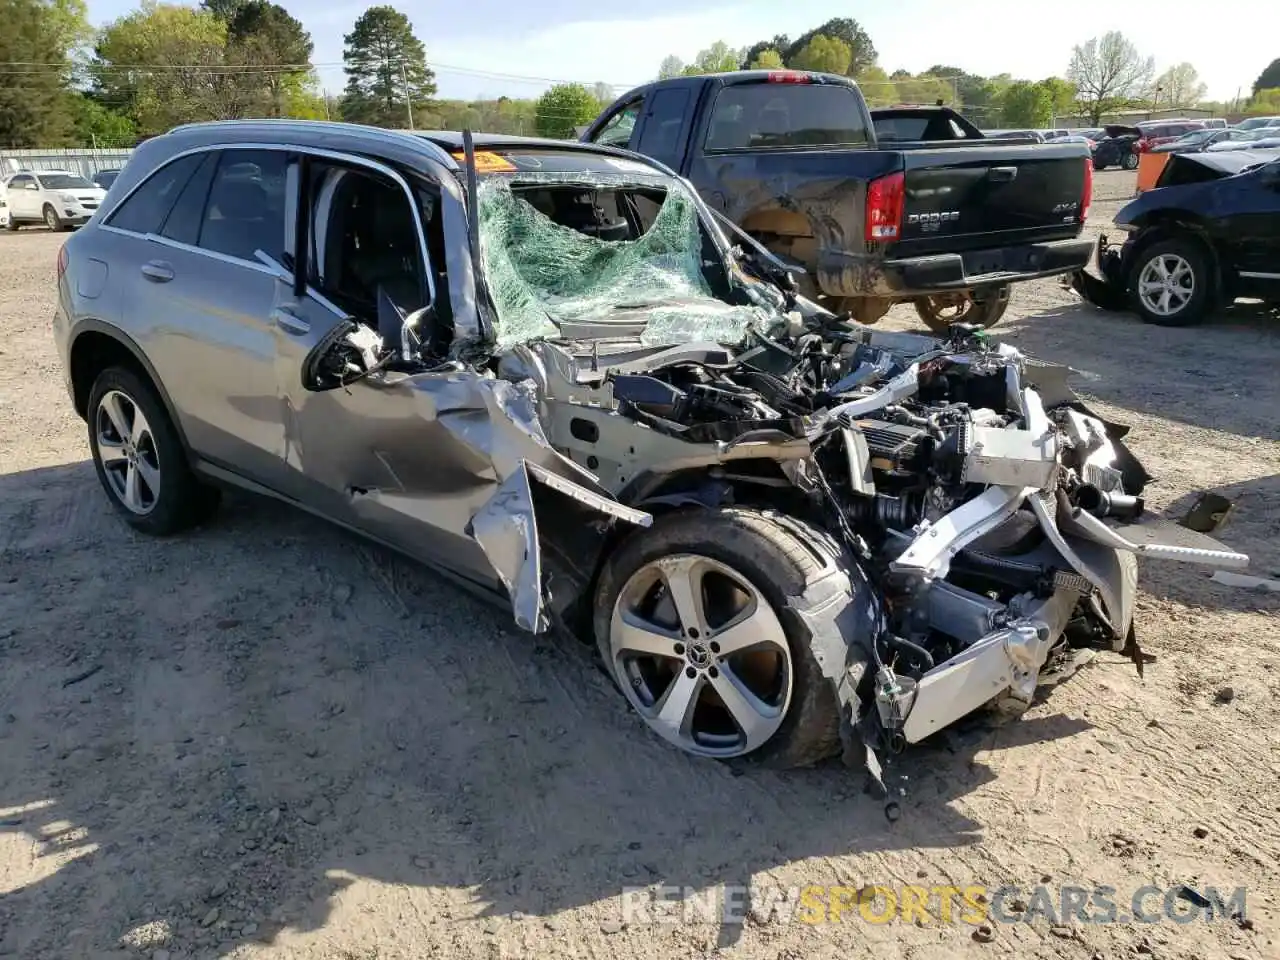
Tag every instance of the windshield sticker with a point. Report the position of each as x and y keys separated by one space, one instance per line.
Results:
x=487 y=162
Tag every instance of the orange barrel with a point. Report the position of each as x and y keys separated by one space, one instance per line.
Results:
x=1149 y=167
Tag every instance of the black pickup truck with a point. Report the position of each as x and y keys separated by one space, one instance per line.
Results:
x=873 y=218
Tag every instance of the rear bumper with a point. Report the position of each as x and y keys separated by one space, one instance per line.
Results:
x=853 y=276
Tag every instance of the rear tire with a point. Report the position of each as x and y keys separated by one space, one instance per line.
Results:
x=1129 y=161
x=12 y=225
x=141 y=463
x=983 y=313
x=1189 y=295
x=759 y=554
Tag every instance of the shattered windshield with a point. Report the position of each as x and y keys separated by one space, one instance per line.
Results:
x=603 y=270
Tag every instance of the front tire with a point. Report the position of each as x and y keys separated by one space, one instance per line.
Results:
x=691 y=623
x=1171 y=283
x=139 y=457
x=1129 y=161
x=51 y=218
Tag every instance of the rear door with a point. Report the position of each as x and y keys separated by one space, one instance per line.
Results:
x=24 y=196
x=200 y=300
x=986 y=195
x=666 y=120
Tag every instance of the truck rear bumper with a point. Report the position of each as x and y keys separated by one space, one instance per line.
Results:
x=849 y=275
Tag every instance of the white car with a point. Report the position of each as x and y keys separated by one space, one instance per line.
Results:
x=4 y=205
x=57 y=198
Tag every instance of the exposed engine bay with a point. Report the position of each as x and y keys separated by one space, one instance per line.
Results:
x=988 y=523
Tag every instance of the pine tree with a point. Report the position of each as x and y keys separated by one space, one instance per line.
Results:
x=384 y=62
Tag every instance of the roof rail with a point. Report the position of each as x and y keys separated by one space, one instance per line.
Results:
x=397 y=136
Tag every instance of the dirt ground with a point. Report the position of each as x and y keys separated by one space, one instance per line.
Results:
x=269 y=740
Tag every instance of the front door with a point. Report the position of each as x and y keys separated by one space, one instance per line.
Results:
x=1250 y=229
x=373 y=453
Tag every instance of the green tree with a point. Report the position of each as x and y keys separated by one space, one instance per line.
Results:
x=1026 y=104
x=767 y=59
x=1264 y=103
x=175 y=68
x=35 y=109
x=862 y=52
x=671 y=66
x=717 y=58
x=1179 y=86
x=97 y=125
x=780 y=43
x=384 y=62
x=562 y=109
x=1107 y=72
x=1268 y=79
x=224 y=10
x=823 y=54
x=1062 y=95
x=922 y=89
x=266 y=40
x=877 y=88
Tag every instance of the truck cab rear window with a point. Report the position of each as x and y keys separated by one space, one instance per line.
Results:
x=753 y=116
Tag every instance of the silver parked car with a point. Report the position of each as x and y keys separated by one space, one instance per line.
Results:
x=548 y=370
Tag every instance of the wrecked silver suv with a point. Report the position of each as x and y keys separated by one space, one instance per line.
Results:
x=550 y=371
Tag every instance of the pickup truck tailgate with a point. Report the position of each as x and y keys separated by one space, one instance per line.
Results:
x=980 y=195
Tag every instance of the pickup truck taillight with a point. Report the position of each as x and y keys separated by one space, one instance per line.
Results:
x=1087 y=199
x=884 y=207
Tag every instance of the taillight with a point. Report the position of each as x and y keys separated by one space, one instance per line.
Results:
x=62 y=260
x=1141 y=146
x=1087 y=200
x=788 y=76
x=884 y=207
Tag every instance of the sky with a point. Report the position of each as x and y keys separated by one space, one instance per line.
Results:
x=490 y=48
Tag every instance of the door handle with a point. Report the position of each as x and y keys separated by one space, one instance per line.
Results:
x=1002 y=174
x=157 y=271
x=290 y=322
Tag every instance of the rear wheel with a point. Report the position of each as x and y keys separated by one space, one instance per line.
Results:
x=1171 y=284
x=689 y=623
x=1129 y=161
x=139 y=458
x=939 y=312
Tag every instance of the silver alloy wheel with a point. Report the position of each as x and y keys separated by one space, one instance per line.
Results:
x=127 y=449
x=701 y=655
x=1166 y=284
x=50 y=218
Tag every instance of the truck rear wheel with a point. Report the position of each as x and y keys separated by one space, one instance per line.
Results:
x=938 y=313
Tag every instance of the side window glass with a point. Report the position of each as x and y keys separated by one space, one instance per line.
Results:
x=364 y=239
x=661 y=136
x=618 y=129
x=246 y=206
x=183 y=222
x=146 y=208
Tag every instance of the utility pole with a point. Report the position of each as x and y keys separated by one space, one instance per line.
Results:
x=326 y=102
x=408 y=97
